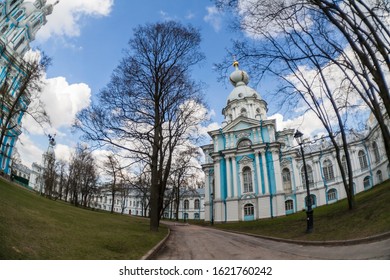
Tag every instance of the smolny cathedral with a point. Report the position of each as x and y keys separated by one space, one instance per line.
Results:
x=252 y=170
x=19 y=22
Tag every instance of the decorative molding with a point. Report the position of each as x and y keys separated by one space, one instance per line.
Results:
x=243 y=135
x=245 y=160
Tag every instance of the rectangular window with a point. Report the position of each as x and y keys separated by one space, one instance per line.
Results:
x=328 y=173
x=332 y=195
x=289 y=205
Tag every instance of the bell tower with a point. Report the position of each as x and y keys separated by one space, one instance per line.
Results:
x=243 y=100
x=20 y=20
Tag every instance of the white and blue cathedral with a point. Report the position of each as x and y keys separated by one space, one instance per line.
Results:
x=19 y=22
x=254 y=171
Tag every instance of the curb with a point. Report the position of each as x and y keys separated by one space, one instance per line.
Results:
x=155 y=249
x=364 y=240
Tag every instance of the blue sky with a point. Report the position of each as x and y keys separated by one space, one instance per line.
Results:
x=85 y=39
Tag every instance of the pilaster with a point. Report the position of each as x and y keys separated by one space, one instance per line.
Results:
x=265 y=173
x=228 y=177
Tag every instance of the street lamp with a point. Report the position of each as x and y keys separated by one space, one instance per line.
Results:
x=309 y=211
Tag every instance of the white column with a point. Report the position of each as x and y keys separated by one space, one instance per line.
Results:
x=207 y=185
x=254 y=136
x=228 y=177
x=259 y=186
x=215 y=143
x=265 y=173
x=231 y=137
x=217 y=180
x=259 y=133
x=278 y=175
x=235 y=188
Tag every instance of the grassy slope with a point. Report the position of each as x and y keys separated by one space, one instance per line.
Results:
x=333 y=222
x=33 y=227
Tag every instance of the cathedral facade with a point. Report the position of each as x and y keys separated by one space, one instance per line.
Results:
x=19 y=22
x=254 y=171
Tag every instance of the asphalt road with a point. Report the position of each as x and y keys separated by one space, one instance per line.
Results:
x=188 y=242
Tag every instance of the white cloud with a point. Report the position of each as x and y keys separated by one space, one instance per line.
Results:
x=63 y=152
x=308 y=123
x=28 y=151
x=190 y=15
x=214 y=17
x=62 y=101
x=66 y=17
x=203 y=130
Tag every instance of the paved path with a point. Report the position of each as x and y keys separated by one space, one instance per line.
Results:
x=188 y=242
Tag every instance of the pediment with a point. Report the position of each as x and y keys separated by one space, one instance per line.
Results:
x=245 y=159
x=240 y=124
x=248 y=196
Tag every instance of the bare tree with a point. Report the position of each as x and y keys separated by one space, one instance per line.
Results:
x=151 y=106
x=20 y=84
x=298 y=37
x=353 y=35
x=114 y=170
x=61 y=167
x=50 y=176
x=83 y=176
x=183 y=172
x=125 y=188
x=366 y=28
x=15 y=159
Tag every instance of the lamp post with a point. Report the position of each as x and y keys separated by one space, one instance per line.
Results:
x=309 y=211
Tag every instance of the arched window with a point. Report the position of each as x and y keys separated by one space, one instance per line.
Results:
x=363 y=160
x=332 y=195
x=186 y=204
x=367 y=182
x=4 y=29
x=249 y=210
x=286 y=176
x=309 y=176
x=197 y=204
x=36 y=23
x=247 y=179
x=196 y=216
x=243 y=112
x=379 y=177
x=244 y=143
x=18 y=14
x=289 y=205
x=376 y=151
x=327 y=169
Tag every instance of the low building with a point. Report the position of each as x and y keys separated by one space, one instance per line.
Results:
x=135 y=203
x=36 y=178
x=20 y=174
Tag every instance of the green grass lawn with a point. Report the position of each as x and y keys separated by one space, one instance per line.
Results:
x=333 y=222
x=33 y=227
